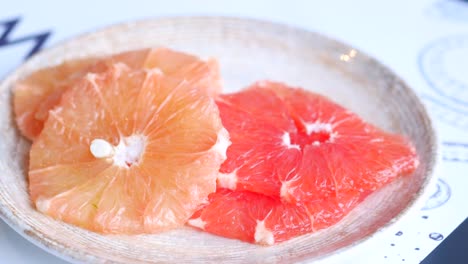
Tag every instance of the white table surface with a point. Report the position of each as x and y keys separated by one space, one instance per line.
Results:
x=423 y=41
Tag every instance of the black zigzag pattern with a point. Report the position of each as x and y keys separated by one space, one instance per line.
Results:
x=39 y=39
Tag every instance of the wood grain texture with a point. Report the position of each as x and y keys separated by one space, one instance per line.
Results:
x=248 y=50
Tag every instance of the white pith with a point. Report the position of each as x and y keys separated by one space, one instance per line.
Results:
x=286 y=138
x=197 y=222
x=222 y=143
x=263 y=235
x=126 y=153
x=227 y=180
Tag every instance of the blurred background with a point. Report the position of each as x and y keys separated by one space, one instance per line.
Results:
x=423 y=41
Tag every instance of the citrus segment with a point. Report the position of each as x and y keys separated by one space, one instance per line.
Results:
x=179 y=65
x=39 y=92
x=257 y=121
x=301 y=146
x=127 y=151
x=260 y=219
x=348 y=154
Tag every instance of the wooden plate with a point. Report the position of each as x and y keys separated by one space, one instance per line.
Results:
x=248 y=50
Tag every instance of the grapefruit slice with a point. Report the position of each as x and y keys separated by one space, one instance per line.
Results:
x=127 y=151
x=261 y=219
x=39 y=92
x=301 y=146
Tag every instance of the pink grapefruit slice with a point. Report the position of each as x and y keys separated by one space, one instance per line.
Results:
x=41 y=91
x=127 y=151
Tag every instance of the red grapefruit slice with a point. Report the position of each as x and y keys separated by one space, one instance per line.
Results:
x=260 y=219
x=300 y=146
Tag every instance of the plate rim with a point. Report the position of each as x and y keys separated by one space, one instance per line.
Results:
x=75 y=256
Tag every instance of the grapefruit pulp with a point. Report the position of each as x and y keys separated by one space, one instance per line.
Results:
x=298 y=163
x=257 y=218
x=301 y=146
x=127 y=151
x=39 y=92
